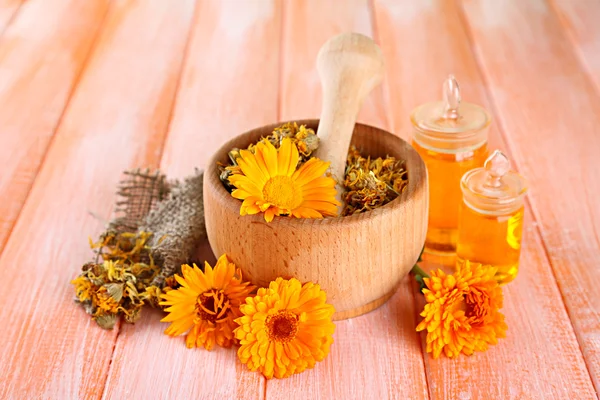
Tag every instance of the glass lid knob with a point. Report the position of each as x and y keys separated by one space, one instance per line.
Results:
x=451 y=94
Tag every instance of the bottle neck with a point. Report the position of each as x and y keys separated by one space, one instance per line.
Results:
x=490 y=206
x=452 y=142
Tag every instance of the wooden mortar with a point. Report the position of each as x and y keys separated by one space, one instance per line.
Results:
x=358 y=260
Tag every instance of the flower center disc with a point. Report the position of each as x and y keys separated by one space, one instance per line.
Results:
x=212 y=305
x=282 y=327
x=282 y=192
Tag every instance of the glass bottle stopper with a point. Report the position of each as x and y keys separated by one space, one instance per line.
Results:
x=494 y=188
x=450 y=125
x=497 y=165
x=451 y=96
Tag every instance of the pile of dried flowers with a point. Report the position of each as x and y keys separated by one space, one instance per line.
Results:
x=278 y=177
x=372 y=183
x=119 y=283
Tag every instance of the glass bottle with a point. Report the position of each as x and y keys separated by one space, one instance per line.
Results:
x=491 y=217
x=451 y=137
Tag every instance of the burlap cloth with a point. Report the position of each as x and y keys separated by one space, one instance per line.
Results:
x=172 y=211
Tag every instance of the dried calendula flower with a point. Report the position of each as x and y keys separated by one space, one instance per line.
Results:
x=305 y=139
x=372 y=183
x=120 y=283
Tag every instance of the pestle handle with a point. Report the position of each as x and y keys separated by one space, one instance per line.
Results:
x=350 y=65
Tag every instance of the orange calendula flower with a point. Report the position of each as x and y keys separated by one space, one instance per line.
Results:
x=286 y=328
x=461 y=314
x=206 y=304
x=270 y=183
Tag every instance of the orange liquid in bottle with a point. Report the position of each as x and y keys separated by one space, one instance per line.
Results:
x=491 y=240
x=445 y=196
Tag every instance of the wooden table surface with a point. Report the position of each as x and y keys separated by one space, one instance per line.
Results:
x=90 y=88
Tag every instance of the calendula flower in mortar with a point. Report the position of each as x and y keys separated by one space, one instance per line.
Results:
x=206 y=304
x=285 y=329
x=461 y=314
x=270 y=183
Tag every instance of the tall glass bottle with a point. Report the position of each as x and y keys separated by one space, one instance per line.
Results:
x=451 y=137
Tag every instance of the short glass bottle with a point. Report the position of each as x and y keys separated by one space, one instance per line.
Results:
x=491 y=217
x=451 y=137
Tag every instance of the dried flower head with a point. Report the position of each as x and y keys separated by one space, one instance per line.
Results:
x=206 y=304
x=270 y=183
x=372 y=183
x=285 y=329
x=461 y=314
x=120 y=284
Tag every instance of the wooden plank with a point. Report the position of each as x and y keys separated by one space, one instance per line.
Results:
x=8 y=10
x=376 y=355
x=308 y=25
x=117 y=119
x=552 y=121
x=580 y=22
x=38 y=70
x=228 y=86
x=423 y=42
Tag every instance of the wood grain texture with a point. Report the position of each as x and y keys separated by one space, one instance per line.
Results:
x=376 y=355
x=551 y=117
x=8 y=10
x=431 y=35
x=230 y=83
x=228 y=86
x=116 y=119
x=333 y=252
x=580 y=22
x=38 y=70
x=534 y=67
x=308 y=24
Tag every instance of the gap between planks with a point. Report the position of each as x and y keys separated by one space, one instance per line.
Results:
x=13 y=12
x=432 y=22
x=554 y=22
x=13 y=216
x=58 y=122
x=216 y=101
x=355 y=367
x=160 y=152
x=73 y=145
x=511 y=151
x=588 y=54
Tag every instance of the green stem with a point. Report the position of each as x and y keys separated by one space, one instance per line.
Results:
x=419 y=272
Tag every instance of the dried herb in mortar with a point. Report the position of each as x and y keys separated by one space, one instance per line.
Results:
x=369 y=183
x=372 y=183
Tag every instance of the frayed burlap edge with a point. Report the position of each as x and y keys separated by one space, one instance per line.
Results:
x=172 y=211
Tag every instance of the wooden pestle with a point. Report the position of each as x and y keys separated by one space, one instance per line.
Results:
x=350 y=65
